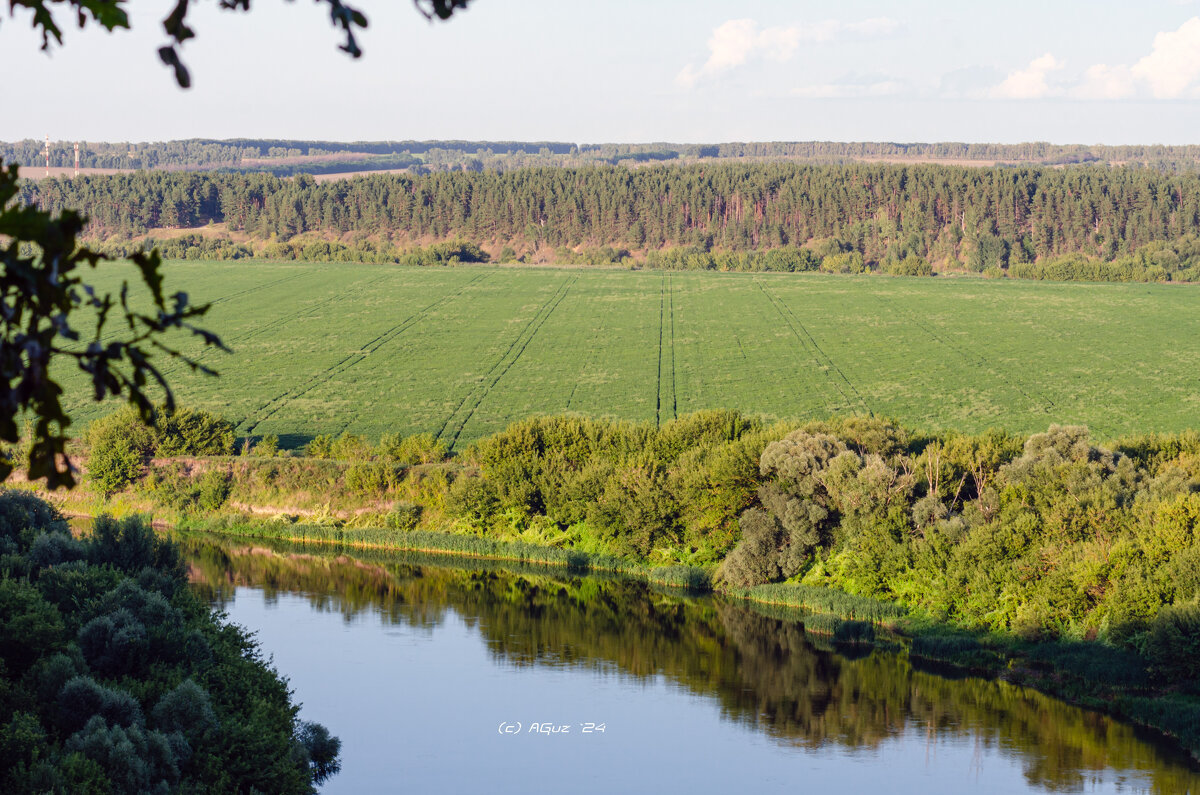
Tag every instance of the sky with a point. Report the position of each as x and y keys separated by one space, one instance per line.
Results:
x=684 y=71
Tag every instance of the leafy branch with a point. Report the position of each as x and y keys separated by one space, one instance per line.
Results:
x=41 y=292
x=110 y=14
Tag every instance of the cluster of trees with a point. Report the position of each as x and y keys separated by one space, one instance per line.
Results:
x=114 y=677
x=120 y=446
x=167 y=154
x=972 y=218
x=195 y=246
x=1049 y=536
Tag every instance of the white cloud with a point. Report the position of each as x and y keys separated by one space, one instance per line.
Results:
x=1030 y=82
x=1170 y=71
x=1101 y=81
x=737 y=41
x=1173 y=65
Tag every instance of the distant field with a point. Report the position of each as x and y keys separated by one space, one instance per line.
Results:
x=461 y=352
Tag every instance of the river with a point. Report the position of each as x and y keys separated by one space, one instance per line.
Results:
x=450 y=677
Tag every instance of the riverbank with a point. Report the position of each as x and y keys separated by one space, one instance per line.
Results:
x=1087 y=674
x=1048 y=559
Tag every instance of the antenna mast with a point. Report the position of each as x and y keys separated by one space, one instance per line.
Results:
x=47 y=153
x=77 y=158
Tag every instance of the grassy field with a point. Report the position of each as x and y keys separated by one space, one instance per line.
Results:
x=461 y=352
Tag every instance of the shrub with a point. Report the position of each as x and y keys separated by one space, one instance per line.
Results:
x=370 y=477
x=472 y=499
x=321 y=446
x=191 y=432
x=1174 y=641
x=912 y=265
x=350 y=447
x=266 y=447
x=421 y=448
x=24 y=516
x=119 y=447
x=850 y=262
x=214 y=489
x=82 y=698
x=404 y=516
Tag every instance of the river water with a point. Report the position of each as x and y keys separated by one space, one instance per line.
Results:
x=483 y=678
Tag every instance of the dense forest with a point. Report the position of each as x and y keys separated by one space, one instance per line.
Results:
x=116 y=678
x=250 y=152
x=1071 y=222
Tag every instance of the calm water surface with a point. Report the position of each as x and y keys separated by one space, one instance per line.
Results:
x=438 y=679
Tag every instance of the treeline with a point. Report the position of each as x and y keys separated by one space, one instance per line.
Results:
x=339 y=165
x=197 y=246
x=211 y=153
x=1045 y=536
x=977 y=219
x=1048 y=536
x=206 y=153
x=115 y=678
x=164 y=154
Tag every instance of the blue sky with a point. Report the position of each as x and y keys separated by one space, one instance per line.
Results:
x=1066 y=71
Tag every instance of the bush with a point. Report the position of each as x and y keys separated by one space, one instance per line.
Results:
x=850 y=262
x=266 y=447
x=24 y=516
x=404 y=516
x=370 y=478
x=321 y=446
x=83 y=698
x=1174 y=641
x=190 y=432
x=213 y=489
x=912 y=265
x=119 y=447
x=421 y=448
x=350 y=447
x=473 y=500
x=130 y=545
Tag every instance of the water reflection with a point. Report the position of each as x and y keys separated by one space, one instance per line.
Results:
x=764 y=670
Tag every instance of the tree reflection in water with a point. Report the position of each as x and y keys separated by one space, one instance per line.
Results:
x=764 y=669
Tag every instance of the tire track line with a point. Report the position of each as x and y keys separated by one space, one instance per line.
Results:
x=113 y=333
x=517 y=347
x=304 y=311
x=809 y=344
x=658 y=381
x=671 y=299
x=1038 y=400
x=272 y=406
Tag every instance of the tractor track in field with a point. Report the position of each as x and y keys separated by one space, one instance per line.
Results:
x=277 y=323
x=1038 y=400
x=114 y=333
x=671 y=314
x=822 y=359
x=272 y=406
x=475 y=397
x=658 y=378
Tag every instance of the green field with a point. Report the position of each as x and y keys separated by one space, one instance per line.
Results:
x=461 y=352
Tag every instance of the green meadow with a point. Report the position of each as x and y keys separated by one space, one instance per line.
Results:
x=460 y=352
